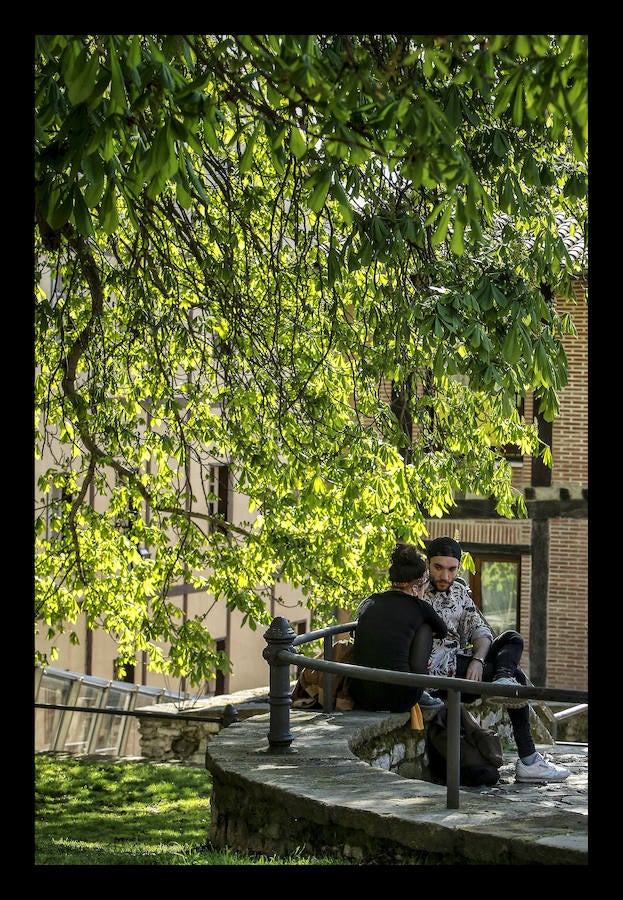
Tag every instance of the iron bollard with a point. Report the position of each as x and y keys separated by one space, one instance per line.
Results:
x=279 y=637
x=230 y=715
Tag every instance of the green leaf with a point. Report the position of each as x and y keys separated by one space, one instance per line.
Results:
x=118 y=100
x=247 y=157
x=457 y=244
x=94 y=171
x=518 y=105
x=210 y=134
x=530 y=172
x=298 y=146
x=339 y=194
x=319 y=194
x=442 y=226
x=108 y=149
x=453 y=108
x=108 y=212
x=61 y=211
x=439 y=363
x=501 y=143
x=182 y=194
x=81 y=215
x=85 y=72
x=134 y=52
x=500 y=298
x=511 y=349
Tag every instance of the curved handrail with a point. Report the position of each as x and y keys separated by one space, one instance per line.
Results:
x=282 y=640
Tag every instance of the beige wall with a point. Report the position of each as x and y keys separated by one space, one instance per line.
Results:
x=250 y=669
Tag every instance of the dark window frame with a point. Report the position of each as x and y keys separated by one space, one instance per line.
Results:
x=475 y=582
x=220 y=682
x=218 y=485
x=512 y=452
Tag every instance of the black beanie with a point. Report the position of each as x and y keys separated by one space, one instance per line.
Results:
x=444 y=546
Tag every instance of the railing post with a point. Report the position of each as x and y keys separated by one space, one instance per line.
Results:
x=327 y=678
x=279 y=637
x=453 y=761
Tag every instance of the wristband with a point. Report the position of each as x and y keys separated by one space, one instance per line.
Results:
x=478 y=659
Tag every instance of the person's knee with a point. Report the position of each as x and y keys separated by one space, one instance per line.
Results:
x=511 y=637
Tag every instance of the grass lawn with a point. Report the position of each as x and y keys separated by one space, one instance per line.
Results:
x=99 y=812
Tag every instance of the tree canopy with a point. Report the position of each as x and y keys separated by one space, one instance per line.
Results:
x=329 y=262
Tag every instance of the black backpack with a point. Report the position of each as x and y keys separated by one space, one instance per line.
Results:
x=481 y=750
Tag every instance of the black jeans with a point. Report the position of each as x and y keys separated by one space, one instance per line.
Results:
x=503 y=659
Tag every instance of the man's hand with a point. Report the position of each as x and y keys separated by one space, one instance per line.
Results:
x=474 y=671
x=476 y=666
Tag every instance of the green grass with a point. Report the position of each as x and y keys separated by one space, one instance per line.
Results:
x=98 y=812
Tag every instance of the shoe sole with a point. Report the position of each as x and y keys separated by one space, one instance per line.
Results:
x=540 y=780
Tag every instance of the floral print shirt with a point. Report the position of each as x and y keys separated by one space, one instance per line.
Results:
x=464 y=621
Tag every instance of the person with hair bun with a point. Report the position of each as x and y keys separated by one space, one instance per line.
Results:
x=395 y=630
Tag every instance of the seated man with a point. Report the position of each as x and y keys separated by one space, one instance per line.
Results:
x=493 y=660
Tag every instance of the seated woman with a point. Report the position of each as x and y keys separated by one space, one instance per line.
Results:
x=395 y=631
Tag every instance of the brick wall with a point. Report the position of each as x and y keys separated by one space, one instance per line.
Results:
x=570 y=430
x=567 y=605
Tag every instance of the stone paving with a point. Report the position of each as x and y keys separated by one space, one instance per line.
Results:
x=570 y=795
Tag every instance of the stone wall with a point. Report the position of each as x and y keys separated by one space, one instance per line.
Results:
x=184 y=742
x=180 y=742
x=403 y=750
x=399 y=750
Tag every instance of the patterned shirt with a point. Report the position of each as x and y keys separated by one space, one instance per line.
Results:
x=464 y=622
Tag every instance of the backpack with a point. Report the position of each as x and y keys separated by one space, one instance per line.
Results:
x=481 y=750
x=308 y=691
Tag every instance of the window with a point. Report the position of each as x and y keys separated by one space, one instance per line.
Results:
x=129 y=673
x=542 y=474
x=219 y=687
x=495 y=589
x=218 y=496
x=511 y=451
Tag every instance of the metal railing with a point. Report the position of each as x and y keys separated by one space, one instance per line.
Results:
x=84 y=714
x=280 y=655
x=568 y=713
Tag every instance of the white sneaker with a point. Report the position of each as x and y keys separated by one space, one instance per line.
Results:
x=515 y=702
x=540 y=770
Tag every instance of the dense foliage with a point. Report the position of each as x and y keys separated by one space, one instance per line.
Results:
x=329 y=262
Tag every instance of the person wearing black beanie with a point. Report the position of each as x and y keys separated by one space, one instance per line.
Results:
x=469 y=650
x=444 y=546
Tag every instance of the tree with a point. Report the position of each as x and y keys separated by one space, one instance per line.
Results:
x=327 y=261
